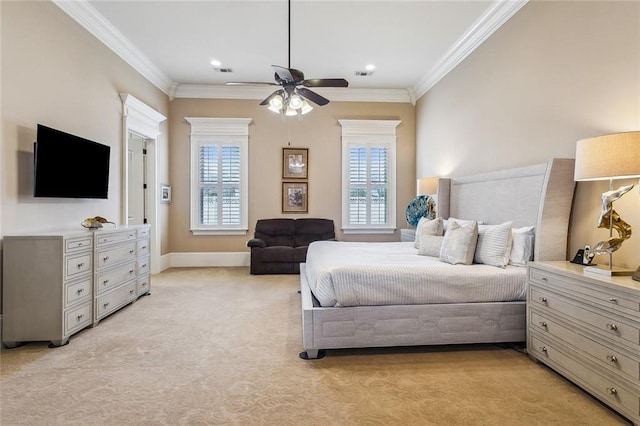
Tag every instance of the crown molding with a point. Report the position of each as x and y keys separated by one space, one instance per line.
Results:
x=87 y=16
x=216 y=91
x=493 y=18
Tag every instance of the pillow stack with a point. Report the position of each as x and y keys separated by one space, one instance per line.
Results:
x=467 y=241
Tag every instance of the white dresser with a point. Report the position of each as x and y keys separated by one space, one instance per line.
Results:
x=56 y=284
x=587 y=328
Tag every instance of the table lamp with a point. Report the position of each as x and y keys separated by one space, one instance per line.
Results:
x=609 y=157
x=424 y=204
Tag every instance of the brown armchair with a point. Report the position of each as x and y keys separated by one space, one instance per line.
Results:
x=279 y=245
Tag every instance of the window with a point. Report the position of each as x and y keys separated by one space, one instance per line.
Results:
x=219 y=177
x=368 y=176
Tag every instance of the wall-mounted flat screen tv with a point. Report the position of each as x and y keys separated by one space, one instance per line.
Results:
x=68 y=166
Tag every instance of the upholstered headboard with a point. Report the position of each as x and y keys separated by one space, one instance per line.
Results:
x=540 y=195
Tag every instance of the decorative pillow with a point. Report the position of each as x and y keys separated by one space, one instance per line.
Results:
x=522 y=245
x=459 y=244
x=427 y=227
x=494 y=244
x=461 y=222
x=430 y=245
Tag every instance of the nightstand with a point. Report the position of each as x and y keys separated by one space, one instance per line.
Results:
x=407 y=235
x=587 y=328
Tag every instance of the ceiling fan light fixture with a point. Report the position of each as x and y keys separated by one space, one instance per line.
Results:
x=306 y=107
x=276 y=102
x=290 y=111
x=295 y=102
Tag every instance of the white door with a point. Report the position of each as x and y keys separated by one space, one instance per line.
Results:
x=137 y=205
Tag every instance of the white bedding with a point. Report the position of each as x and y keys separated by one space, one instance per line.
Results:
x=392 y=273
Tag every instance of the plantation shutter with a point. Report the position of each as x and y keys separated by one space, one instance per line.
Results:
x=220 y=178
x=368 y=185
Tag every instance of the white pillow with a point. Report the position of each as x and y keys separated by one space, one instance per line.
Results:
x=459 y=244
x=430 y=245
x=494 y=244
x=427 y=227
x=461 y=222
x=522 y=245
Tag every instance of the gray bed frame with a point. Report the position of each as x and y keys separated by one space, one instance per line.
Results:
x=539 y=195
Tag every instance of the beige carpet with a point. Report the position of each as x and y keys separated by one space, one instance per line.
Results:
x=219 y=346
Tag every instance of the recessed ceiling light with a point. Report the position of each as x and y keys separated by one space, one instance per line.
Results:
x=215 y=63
x=370 y=67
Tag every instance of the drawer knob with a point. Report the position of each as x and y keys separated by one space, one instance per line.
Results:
x=105 y=304
x=612 y=358
x=131 y=291
x=80 y=265
x=130 y=251
x=80 y=317
x=130 y=271
x=80 y=290
x=543 y=324
x=543 y=349
x=612 y=327
x=543 y=300
x=543 y=279
x=612 y=391
x=104 y=259
x=144 y=247
x=105 y=282
x=144 y=266
x=613 y=300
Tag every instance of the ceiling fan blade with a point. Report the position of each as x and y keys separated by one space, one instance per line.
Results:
x=268 y=98
x=312 y=96
x=283 y=75
x=242 y=83
x=326 y=82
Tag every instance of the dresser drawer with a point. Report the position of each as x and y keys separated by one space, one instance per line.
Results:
x=143 y=232
x=122 y=253
x=77 y=318
x=115 y=237
x=597 y=352
x=610 y=325
x=111 y=278
x=109 y=302
x=75 y=266
x=76 y=291
x=142 y=247
x=143 y=285
x=143 y=266
x=599 y=295
x=77 y=244
x=617 y=395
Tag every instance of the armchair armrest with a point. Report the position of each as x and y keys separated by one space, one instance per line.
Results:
x=256 y=242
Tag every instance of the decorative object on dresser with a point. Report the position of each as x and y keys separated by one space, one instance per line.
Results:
x=423 y=205
x=587 y=328
x=609 y=157
x=58 y=283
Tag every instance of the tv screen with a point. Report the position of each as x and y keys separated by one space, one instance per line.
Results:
x=68 y=166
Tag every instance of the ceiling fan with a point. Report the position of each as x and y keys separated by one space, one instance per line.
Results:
x=291 y=98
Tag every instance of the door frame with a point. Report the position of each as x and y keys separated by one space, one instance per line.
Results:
x=141 y=119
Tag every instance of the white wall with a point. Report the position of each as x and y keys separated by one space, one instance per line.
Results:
x=555 y=73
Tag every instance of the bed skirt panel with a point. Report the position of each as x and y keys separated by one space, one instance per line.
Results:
x=408 y=325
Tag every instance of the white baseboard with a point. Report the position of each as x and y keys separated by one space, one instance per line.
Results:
x=185 y=260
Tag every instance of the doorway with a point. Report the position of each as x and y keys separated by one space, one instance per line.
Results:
x=137 y=180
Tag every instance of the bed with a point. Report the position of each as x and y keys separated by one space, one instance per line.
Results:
x=539 y=195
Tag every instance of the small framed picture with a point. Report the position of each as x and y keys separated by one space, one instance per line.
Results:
x=295 y=197
x=295 y=163
x=165 y=193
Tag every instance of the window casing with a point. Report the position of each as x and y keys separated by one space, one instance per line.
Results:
x=368 y=176
x=219 y=175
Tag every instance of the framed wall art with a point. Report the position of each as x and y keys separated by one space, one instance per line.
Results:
x=295 y=196
x=295 y=163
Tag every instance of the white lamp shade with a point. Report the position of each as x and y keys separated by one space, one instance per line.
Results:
x=613 y=156
x=427 y=186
